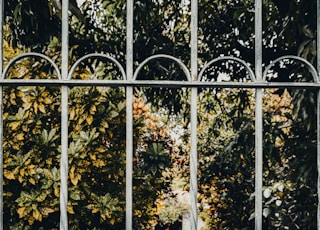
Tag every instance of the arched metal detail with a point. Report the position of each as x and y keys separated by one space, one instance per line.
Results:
x=32 y=54
x=228 y=58
x=310 y=67
x=97 y=55
x=165 y=56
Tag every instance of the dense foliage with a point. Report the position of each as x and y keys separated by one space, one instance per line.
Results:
x=96 y=154
x=97 y=115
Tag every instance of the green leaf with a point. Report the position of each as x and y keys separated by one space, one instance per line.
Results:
x=75 y=195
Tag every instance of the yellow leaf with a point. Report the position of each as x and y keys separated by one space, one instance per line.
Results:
x=46 y=211
x=93 y=109
x=30 y=121
x=45 y=94
x=32 y=181
x=41 y=197
x=101 y=149
x=43 y=74
x=31 y=220
x=37 y=215
x=27 y=161
x=93 y=157
x=13 y=102
x=99 y=163
x=5 y=115
x=20 y=94
x=95 y=210
x=14 y=125
x=49 y=161
x=42 y=108
x=9 y=175
x=27 y=101
x=75 y=179
x=8 y=194
x=20 y=136
x=84 y=76
x=25 y=128
x=89 y=119
x=22 y=172
x=56 y=192
x=20 y=179
x=103 y=216
x=47 y=101
x=70 y=209
x=12 y=95
x=35 y=107
x=71 y=173
x=112 y=221
x=7 y=160
x=105 y=124
x=80 y=120
x=72 y=114
x=21 y=212
x=16 y=146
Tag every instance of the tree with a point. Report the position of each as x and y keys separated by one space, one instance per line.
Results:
x=96 y=152
x=225 y=27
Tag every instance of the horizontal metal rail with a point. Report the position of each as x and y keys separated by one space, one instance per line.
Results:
x=158 y=83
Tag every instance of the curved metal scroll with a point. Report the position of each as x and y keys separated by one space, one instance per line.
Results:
x=165 y=56
x=97 y=55
x=310 y=67
x=19 y=57
x=228 y=58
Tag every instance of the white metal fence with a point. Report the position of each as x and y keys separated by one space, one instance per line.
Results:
x=258 y=83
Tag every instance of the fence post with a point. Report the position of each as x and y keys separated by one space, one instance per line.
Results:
x=318 y=112
x=64 y=120
x=1 y=117
x=129 y=120
x=258 y=116
x=193 y=117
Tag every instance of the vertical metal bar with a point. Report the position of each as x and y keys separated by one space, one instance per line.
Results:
x=194 y=40
x=258 y=160
x=258 y=116
x=1 y=117
x=129 y=157
x=1 y=157
x=318 y=156
x=64 y=160
x=64 y=120
x=65 y=39
x=318 y=39
x=193 y=119
x=129 y=120
x=318 y=113
x=1 y=35
x=193 y=161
